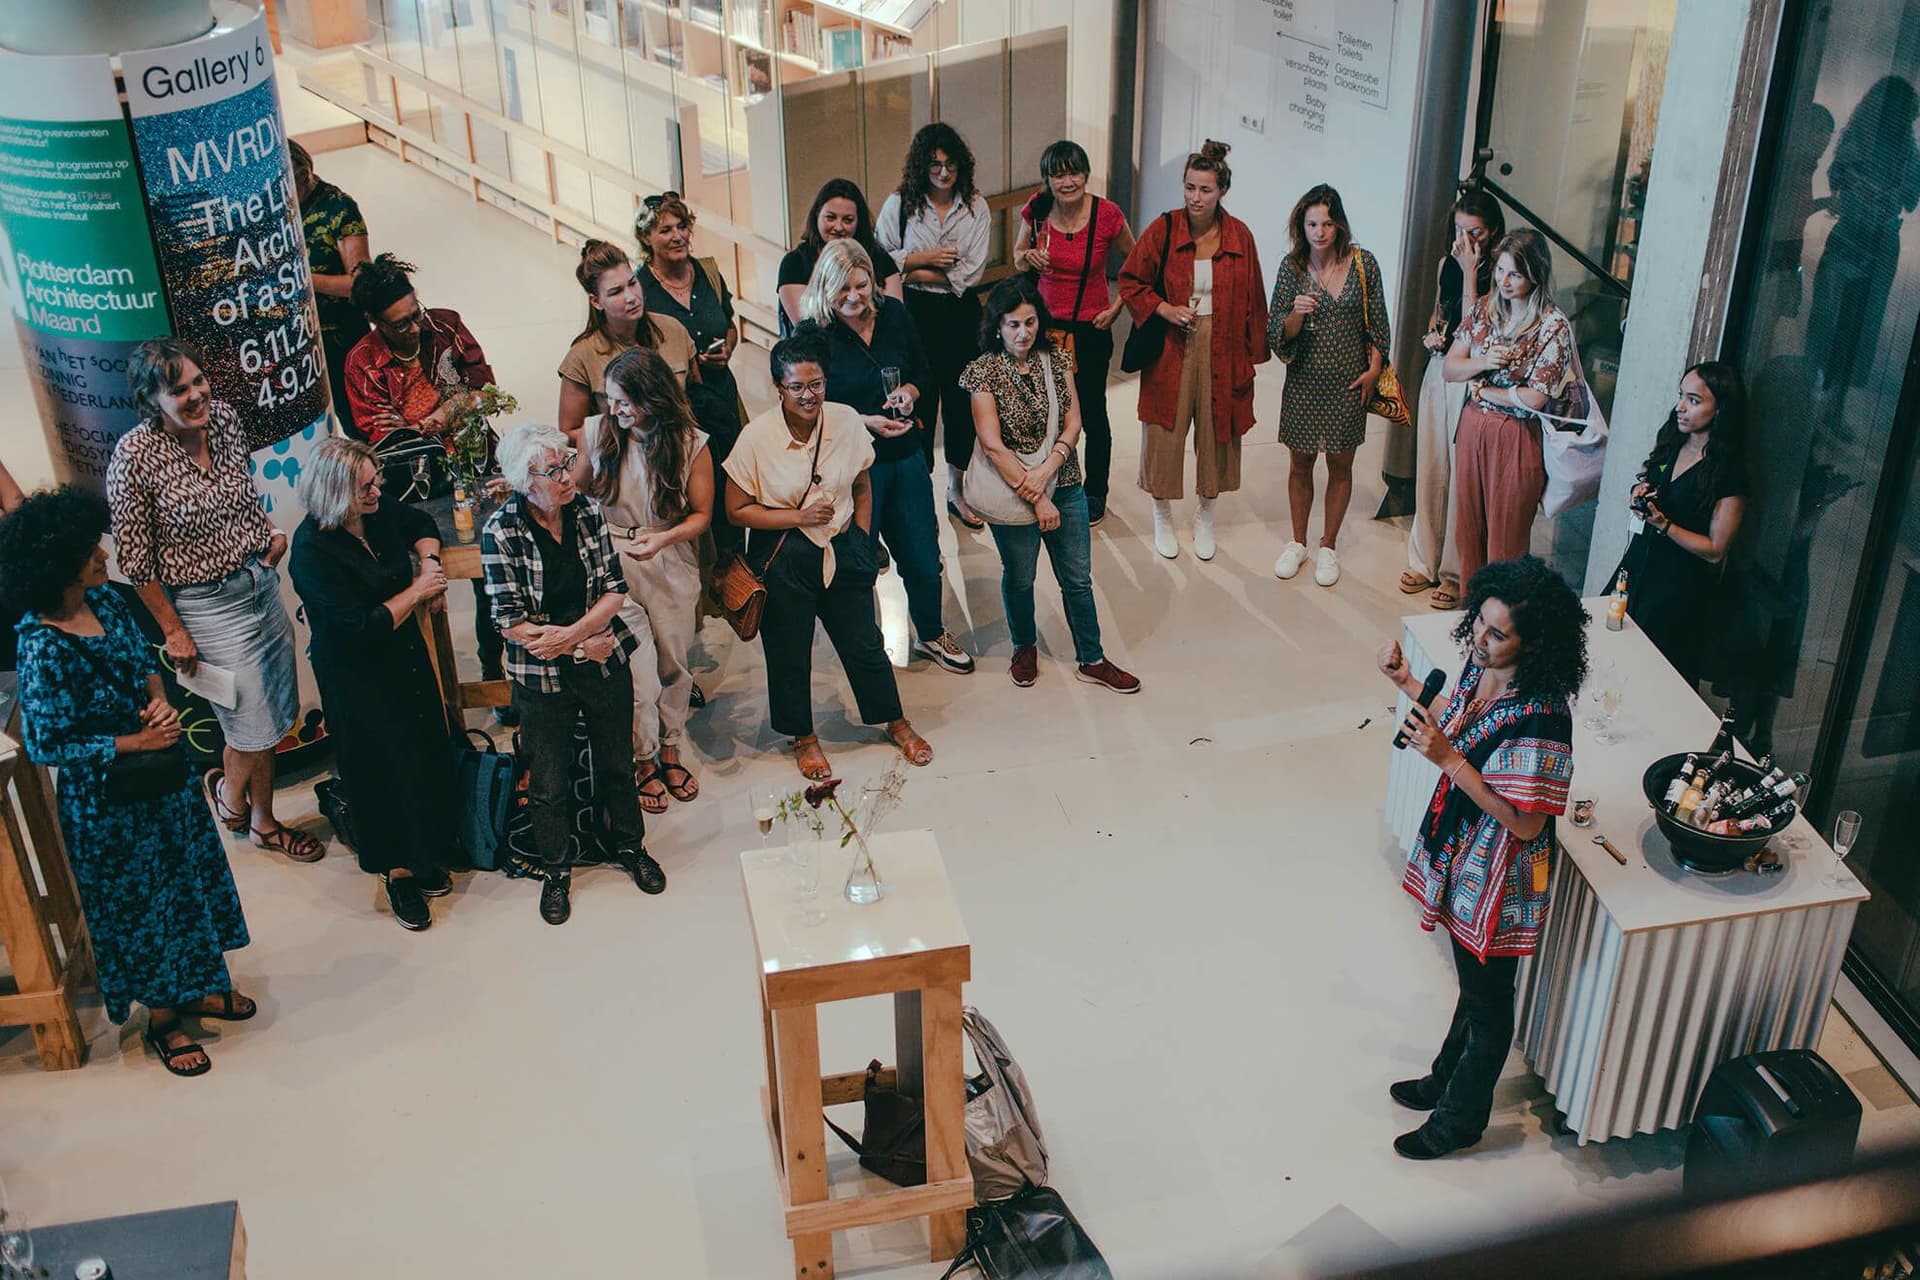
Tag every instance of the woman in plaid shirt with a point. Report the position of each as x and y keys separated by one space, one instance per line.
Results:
x=555 y=588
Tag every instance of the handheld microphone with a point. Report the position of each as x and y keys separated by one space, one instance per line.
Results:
x=1436 y=681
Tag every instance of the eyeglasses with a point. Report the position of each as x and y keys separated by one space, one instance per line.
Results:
x=942 y=166
x=414 y=320
x=372 y=486
x=565 y=464
x=817 y=387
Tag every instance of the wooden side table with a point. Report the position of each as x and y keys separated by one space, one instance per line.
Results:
x=40 y=924
x=910 y=945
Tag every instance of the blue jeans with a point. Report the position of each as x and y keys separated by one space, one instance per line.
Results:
x=904 y=519
x=1070 y=548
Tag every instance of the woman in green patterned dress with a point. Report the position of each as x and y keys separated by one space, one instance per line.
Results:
x=1328 y=325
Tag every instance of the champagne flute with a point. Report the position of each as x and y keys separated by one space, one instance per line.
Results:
x=16 y=1241
x=1846 y=833
x=764 y=804
x=1612 y=695
x=1603 y=677
x=804 y=867
x=890 y=383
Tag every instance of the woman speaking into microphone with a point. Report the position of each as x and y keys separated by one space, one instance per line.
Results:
x=1479 y=867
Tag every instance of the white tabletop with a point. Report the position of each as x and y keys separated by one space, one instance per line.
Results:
x=917 y=913
x=1659 y=715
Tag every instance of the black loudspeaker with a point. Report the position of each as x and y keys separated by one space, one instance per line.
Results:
x=1767 y=1118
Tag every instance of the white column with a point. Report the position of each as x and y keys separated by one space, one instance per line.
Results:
x=1703 y=66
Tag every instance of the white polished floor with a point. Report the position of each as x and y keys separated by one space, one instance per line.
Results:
x=1184 y=909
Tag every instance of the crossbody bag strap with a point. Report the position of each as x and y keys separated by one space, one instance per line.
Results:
x=1053 y=403
x=1086 y=268
x=113 y=675
x=813 y=471
x=1166 y=244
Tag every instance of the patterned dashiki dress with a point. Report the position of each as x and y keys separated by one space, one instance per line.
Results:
x=1317 y=412
x=1468 y=871
x=154 y=883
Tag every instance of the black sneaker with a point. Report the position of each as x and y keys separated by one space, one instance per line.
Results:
x=435 y=883
x=696 y=697
x=408 y=903
x=555 y=897
x=1096 y=511
x=646 y=873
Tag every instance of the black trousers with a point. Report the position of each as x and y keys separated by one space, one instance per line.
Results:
x=950 y=331
x=1469 y=1062
x=334 y=346
x=1092 y=358
x=603 y=696
x=796 y=598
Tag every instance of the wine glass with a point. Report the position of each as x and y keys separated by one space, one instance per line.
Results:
x=1612 y=695
x=890 y=383
x=1604 y=675
x=1320 y=298
x=1846 y=833
x=16 y=1241
x=763 y=803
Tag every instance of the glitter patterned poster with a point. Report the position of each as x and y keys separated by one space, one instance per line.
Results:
x=213 y=160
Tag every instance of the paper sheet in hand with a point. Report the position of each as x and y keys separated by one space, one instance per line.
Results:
x=215 y=684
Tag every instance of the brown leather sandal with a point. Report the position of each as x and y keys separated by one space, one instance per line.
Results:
x=917 y=750
x=687 y=788
x=811 y=759
x=297 y=845
x=234 y=820
x=653 y=791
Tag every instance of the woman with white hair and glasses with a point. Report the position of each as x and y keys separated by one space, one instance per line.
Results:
x=556 y=589
x=363 y=563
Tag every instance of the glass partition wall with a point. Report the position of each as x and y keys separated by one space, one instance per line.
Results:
x=568 y=112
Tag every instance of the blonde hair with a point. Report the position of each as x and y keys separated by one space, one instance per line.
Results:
x=838 y=261
x=329 y=482
x=1533 y=257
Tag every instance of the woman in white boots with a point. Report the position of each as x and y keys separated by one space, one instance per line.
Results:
x=1195 y=270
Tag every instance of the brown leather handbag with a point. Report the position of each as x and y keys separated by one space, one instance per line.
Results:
x=740 y=593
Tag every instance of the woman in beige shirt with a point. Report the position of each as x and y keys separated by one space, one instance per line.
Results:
x=801 y=468
x=617 y=321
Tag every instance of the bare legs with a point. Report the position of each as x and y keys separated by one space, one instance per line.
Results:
x=1300 y=492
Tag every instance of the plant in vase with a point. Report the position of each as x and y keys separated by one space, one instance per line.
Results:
x=878 y=798
x=470 y=450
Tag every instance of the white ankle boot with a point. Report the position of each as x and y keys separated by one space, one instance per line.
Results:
x=1163 y=540
x=1203 y=529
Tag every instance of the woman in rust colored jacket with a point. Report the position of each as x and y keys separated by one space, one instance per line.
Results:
x=1196 y=269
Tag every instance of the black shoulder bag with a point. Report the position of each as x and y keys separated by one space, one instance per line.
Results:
x=1147 y=340
x=136 y=776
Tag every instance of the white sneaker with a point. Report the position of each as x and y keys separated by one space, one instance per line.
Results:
x=1292 y=556
x=1326 y=568
x=1203 y=530
x=1163 y=540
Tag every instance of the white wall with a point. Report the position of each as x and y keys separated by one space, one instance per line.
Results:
x=1211 y=62
x=1090 y=35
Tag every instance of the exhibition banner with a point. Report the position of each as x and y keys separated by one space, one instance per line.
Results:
x=75 y=257
x=219 y=185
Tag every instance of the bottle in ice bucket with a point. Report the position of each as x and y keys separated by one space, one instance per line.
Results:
x=462 y=514
x=1678 y=787
x=1617 y=607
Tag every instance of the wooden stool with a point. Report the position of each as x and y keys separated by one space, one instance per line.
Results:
x=45 y=940
x=910 y=945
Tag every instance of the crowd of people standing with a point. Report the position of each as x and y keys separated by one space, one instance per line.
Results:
x=598 y=562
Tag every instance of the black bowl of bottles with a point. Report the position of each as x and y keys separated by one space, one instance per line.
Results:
x=1693 y=848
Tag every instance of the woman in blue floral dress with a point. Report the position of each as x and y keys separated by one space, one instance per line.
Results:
x=154 y=884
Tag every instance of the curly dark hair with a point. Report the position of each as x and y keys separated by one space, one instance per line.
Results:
x=380 y=283
x=1725 y=458
x=1008 y=296
x=44 y=544
x=1550 y=620
x=914 y=183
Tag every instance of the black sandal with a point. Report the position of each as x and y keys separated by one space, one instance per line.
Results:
x=229 y=1010
x=156 y=1038
x=687 y=789
x=654 y=802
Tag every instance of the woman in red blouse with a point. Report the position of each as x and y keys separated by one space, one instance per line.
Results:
x=1480 y=866
x=1067 y=234
x=1196 y=269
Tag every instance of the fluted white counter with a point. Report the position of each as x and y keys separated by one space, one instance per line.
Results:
x=1649 y=975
